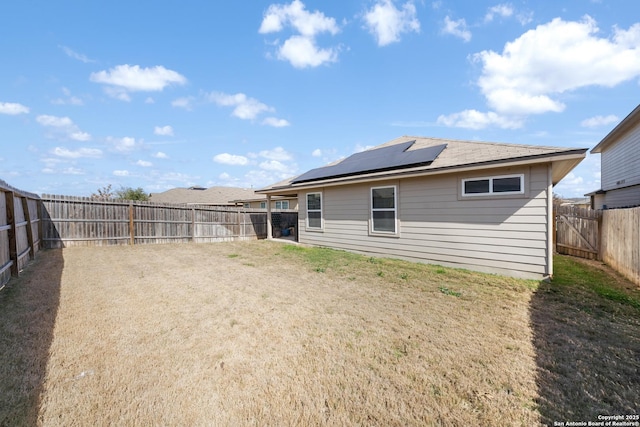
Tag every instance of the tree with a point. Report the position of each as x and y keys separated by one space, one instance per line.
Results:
x=129 y=193
x=103 y=194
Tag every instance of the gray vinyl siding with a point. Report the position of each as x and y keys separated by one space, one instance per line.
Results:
x=619 y=162
x=505 y=235
x=623 y=197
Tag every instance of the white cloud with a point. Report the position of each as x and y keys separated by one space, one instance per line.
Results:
x=456 y=28
x=75 y=55
x=126 y=78
x=274 y=165
x=302 y=52
x=598 y=121
x=121 y=172
x=123 y=145
x=245 y=108
x=504 y=10
x=69 y=100
x=54 y=121
x=163 y=130
x=75 y=154
x=386 y=22
x=300 y=49
x=275 y=122
x=554 y=58
x=72 y=171
x=160 y=155
x=149 y=100
x=317 y=153
x=473 y=119
x=13 y=108
x=185 y=103
x=230 y=159
x=277 y=153
x=62 y=128
x=144 y=163
x=308 y=24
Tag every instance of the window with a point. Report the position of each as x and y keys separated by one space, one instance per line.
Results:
x=314 y=210
x=383 y=209
x=282 y=204
x=246 y=205
x=263 y=205
x=507 y=184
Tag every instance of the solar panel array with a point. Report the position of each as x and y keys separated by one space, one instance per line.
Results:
x=396 y=156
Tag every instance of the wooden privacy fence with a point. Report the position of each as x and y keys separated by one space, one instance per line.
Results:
x=20 y=230
x=81 y=221
x=621 y=241
x=577 y=231
x=612 y=236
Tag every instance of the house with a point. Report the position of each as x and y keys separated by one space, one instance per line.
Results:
x=475 y=205
x=619 y=165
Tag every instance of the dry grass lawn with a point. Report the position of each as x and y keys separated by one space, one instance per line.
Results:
x=260 y=333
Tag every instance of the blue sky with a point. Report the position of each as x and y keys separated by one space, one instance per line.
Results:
x=245 y=93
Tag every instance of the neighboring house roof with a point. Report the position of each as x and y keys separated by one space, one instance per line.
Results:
x=456 y=156
x=625 y=125
x=220 y=196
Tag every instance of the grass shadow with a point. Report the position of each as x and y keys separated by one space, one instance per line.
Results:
x=587 y=340
x=28 y=309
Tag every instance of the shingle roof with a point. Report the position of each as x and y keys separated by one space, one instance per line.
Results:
x=210 y=196
x=459 y=154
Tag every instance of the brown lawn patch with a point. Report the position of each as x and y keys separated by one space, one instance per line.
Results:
x=258 y=333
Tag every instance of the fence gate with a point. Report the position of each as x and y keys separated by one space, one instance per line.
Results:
x=578 y=231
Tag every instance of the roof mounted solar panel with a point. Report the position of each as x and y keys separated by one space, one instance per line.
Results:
x=397 y=156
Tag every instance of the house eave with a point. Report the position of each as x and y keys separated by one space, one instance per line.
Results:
x=625 y=125
x=568 y=159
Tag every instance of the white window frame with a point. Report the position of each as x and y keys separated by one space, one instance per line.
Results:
x=263 y=205
x=372 y=230
x=306 y=198
x=282 y=203
x=491 y=192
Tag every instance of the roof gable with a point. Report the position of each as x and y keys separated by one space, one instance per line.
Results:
x=623 y=127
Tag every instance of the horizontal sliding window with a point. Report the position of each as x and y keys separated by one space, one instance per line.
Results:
x=497 y=185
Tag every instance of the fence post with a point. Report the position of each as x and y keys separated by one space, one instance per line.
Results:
x=27 y=217
x=132 y=232
x=11 y=221
x=193 y=224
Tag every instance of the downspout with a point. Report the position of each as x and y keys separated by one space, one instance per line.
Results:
x=549 y=221
x=269 y=226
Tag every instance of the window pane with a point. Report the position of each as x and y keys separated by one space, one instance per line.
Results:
x=285 y=204
x=383 y=197
x=315 y=219
x=384 y=221
x=476 y=186
x=502 y=185
x=278 y=205
x=263 y=205
x=313 y=202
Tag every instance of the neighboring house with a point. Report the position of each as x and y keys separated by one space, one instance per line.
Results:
x=213 y=196
x=578 y=202
x=619 y=165
x=259 y=201
x=469 y=204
